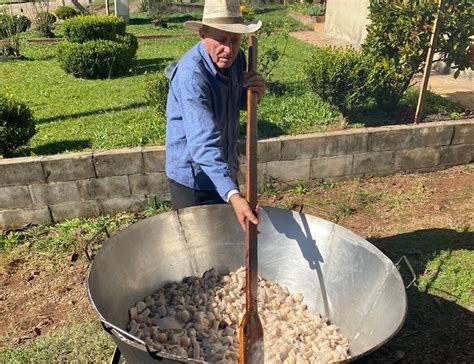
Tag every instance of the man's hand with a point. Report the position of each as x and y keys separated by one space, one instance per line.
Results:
x=255 y=82
x=242 y=210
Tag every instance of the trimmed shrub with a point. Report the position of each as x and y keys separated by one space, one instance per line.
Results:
x=156 y=91
x=44 y=23
x=83 y=28
x=98 y=58
x=340 y=77
x=17 y=125
x=65 y=12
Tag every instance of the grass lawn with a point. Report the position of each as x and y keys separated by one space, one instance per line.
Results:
x=79 y=115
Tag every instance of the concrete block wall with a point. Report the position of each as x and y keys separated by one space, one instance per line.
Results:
x=53 y=188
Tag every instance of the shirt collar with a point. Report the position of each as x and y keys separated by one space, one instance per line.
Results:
x=207 y=59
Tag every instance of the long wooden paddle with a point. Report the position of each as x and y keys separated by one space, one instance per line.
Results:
x=251 y=331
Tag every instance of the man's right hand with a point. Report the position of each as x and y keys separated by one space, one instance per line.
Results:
x=242 y=210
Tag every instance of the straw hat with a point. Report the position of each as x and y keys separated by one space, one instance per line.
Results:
x=224 y=15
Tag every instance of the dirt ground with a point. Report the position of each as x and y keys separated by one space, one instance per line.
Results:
x=413 y=215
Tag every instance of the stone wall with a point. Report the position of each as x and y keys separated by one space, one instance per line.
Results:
x=58 y=187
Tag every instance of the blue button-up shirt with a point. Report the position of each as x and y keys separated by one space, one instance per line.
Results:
x=203 y=122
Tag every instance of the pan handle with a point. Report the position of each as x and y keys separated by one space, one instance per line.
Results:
x=103 y=229
x=129 y=339
x=397 y=264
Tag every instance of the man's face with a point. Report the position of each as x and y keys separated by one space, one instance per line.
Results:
x=223 y=47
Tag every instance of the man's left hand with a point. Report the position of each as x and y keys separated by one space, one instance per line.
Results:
x=255 y=82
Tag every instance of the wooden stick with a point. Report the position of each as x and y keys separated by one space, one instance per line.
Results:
x=429 y=60
x=251 y=331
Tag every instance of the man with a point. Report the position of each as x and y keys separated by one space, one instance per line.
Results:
x=207 y=92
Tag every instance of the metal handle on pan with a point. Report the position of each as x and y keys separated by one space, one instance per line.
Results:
x=129 y=339
x=94 y=238
x=397 y=264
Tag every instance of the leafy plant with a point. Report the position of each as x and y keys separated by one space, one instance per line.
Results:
x=66 y=12
x=156 y=91
x=84 y=28
x=10 y=28
x=17 y=125
x=98 y=58
x=44 y=23
x=398 y=38
x=339 y=76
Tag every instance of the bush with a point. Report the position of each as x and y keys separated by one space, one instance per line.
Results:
x=12 y=25
x=44 y=23
x=401 y=46
x=98 y=58
x=339 y=77
x=156 y=91
x=65 y=12
x=17 y=125
x=83 y=28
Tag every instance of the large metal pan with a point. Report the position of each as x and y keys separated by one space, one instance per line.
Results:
x=341 y=275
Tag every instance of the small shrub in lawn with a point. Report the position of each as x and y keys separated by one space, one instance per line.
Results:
x=98 y=58
x=84 y=28
x=339 y=76
x=10 y=28
x=11 y=25
x=44 y=23
x=156 y=90
x=65 y=12
x=17 y=125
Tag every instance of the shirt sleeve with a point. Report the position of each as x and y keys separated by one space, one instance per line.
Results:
x=202 y=133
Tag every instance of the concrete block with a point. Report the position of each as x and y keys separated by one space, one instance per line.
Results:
x=104 y=188
x=69 y=167
x=21 y=171
x=15 y=197
x=371 y=163
x=303 y=147
x=456 y=155
x=115 y=205
x=261 y=172
x=154 y=159
x=269 y=150
x=17 y=218
x=415 y=159
x=71 y=210
x=390 y=138
x=347 y=142
x=54 y=193
x=464 y=133
x=288 y=171
x=118 y=162
x=322 y=168
x=148 y=184
x=432 y=135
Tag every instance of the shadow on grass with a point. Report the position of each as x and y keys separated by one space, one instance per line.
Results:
x=134 y=105
x=266 y=129
x=151 y=65
x=436 y=330
x=177 y=19
x=53 y=148
x=140 y=21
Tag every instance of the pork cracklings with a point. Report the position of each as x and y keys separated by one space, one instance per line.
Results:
x=199 y=318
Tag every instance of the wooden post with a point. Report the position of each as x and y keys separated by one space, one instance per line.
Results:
x=106 y=7
x=429 y=60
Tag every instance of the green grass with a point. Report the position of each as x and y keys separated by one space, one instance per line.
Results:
x=83 y=342
x=82 y=115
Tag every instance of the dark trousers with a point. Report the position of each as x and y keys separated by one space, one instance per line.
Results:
x=182 y=196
